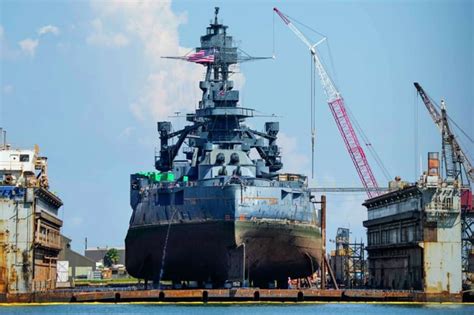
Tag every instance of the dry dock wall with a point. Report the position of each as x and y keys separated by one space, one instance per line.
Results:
x=414 y=240
x=29 y=239
x=228 y=295
x=442 y=259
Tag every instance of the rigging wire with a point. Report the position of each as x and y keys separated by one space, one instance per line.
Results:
x=333 y=68
x=459 y=139
x=359 y=129
x=368 y=145
x=415 y=132
x=314 y=111
x=304 y=25
x=273 y=39
x=464 y=146
x=451 y=120
x=313 y=108
x=332 y=62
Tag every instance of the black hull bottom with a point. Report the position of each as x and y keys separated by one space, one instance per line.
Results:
x=213 y=251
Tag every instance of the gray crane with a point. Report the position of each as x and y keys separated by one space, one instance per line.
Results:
x=453 y=155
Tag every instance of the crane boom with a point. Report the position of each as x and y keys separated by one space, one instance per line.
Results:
x=346 y=189
x=338 y=110
x=441 y=121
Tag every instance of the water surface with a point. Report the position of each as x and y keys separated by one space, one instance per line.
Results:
x=243 y=308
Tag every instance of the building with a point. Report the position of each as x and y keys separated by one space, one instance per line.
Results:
x=29 y=224
x=79 y=266
x=97 y=254
x=414 y=235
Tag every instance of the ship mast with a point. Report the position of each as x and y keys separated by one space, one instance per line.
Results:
x=216 y=124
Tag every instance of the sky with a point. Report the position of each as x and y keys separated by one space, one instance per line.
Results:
x=86 y=82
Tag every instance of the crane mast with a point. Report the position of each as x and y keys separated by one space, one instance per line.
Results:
x=452 y=152
x=338 y=110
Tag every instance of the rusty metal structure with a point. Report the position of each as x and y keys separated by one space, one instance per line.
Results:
x=414 y=234
x=357 y=270
x=457 y=166
x=420 y=235
x=348 y=260
x=467 y=219
x=29 y=223
x=340 y=259
x=254 y=295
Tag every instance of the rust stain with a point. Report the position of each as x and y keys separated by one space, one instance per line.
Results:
x=271 y=200
x=3 y=264
x=239 y=294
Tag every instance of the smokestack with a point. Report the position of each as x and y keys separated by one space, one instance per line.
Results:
x=433 y=163
x=1 y=133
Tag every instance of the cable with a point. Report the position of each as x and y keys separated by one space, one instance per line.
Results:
x=313 y=111
x=304 y=25
x=352 y=118
x=368 y=144
x=451 y=120
x=415 y=131
x=332 y=63
x=273 y=40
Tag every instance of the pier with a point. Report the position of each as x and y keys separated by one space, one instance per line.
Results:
x=228 y=295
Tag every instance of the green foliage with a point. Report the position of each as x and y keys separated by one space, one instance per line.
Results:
x=111 y=257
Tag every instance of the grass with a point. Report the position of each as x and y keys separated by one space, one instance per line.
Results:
x=105 y=281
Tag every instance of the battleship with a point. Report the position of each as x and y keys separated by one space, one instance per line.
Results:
x=220 y=214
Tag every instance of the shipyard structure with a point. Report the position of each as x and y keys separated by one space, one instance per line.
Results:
x=414 y=235
x=29 y=223
x=420 y=235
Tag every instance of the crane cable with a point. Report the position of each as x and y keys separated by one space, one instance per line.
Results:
x=464 y=146
x=416 y=134
x=313 y=112
x=459 y=139
x=368 y=144
x=359 y=129
x=451 y=120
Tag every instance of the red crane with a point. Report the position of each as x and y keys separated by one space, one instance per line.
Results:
x=338 y=110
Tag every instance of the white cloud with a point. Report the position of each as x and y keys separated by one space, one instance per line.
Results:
x=48 y=29
x=76 y=221
x=171 y=85
x=7 y=88
x=126 y=132
x=100 y=37
x=28 y=46
x=63 y=47
x=293 y=160
x=346 y=210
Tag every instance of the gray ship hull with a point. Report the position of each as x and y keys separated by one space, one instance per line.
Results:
x=208 y=226
x=213 y=251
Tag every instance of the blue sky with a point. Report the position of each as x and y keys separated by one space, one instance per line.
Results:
x=85 y=81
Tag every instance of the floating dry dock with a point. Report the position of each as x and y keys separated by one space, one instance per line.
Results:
x=229 y=295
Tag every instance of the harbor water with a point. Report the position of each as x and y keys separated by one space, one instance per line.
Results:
x=243 y=308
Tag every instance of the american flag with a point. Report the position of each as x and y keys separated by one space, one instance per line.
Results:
x=202 y=56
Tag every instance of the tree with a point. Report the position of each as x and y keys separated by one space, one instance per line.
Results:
x=111 y=257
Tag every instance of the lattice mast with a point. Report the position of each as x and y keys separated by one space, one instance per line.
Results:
x=338 y=110
x=452 y=152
